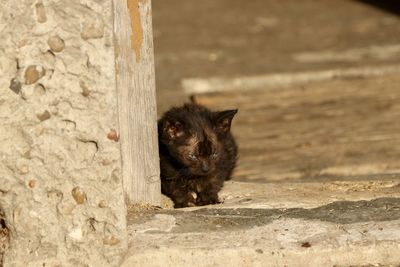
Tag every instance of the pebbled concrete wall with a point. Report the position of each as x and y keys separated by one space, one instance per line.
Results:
x=60 y=168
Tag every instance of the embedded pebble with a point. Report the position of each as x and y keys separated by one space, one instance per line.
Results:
x=41 y=13
x=27 y=154
x=56 y=44
x=43 y=116
x=102 y=204
x=39 y=90
x=66 y=209
x=113 y=135
x=85 y=89
x=111 y=241
x=106 y=162
x=79 y=195
x=259 y=251
x=39 y=130
x=33 y=73
x=32 y=183
x=15 y=85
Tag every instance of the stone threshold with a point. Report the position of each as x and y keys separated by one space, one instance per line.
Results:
x=337 y=223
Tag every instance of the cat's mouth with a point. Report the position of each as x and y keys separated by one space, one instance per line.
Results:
x=193 y=174
x=199 y=174
x=188 y=173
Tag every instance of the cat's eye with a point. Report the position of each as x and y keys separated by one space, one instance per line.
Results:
x=214 y=155
x=192 y=157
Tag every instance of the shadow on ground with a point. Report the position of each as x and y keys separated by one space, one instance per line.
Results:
x=392 y=6
x=340 y=212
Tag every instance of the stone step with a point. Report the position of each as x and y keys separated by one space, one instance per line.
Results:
x=293 y=224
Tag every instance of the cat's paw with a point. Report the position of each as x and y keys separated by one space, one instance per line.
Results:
x=188 y=201
x=191 y=204
x=207 y=200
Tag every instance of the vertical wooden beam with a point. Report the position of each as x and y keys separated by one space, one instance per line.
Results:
x=136 y=100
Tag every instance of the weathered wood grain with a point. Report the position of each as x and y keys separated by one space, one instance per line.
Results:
x=330 y=129
x=136 y=100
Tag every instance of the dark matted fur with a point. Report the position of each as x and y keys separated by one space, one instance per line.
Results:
x=197 y=154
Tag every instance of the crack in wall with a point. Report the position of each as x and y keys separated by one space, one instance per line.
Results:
x=4 y=236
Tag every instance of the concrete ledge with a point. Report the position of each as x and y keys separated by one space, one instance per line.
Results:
x=307 y=224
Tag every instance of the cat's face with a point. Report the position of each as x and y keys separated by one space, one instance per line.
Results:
x=195 y=141
x=199 y=153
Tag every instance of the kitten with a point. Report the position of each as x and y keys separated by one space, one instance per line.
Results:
x=197 y=154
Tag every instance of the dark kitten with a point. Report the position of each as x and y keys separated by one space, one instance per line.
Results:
x=197 y=154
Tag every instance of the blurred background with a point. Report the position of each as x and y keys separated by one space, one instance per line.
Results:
x=316 y=82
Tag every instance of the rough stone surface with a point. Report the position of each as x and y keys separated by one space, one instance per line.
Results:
x=305 y=224
x=53 y=138
x=92 y=29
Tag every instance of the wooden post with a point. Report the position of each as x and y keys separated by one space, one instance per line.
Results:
x=136 y=100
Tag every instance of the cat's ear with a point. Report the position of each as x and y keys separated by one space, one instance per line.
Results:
x=223 y=120
x=174 y=129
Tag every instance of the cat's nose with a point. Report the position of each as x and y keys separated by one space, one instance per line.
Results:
x=205 y=167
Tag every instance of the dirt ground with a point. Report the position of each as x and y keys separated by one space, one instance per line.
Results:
x=330 y=130
x=233 y=37
x=326 y=130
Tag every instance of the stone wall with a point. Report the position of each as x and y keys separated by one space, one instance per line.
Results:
x=60 y=168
